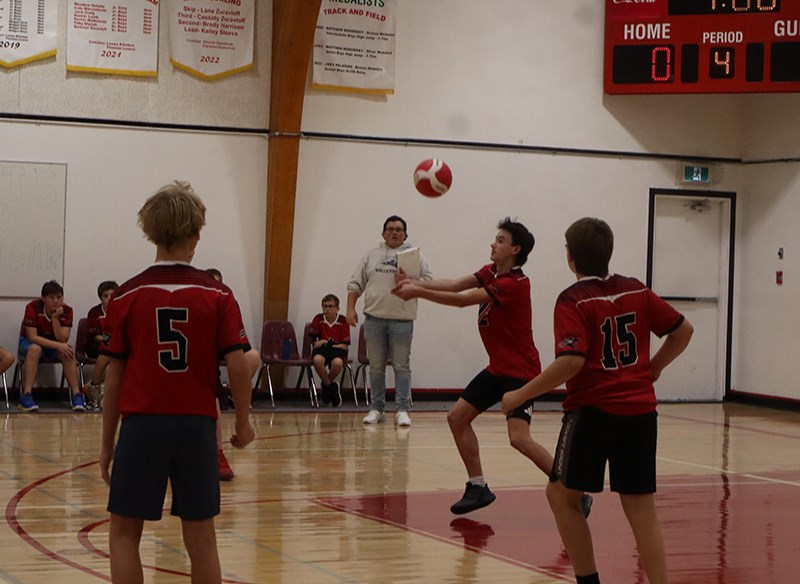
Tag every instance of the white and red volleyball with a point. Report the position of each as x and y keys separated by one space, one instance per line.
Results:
x=433 y=177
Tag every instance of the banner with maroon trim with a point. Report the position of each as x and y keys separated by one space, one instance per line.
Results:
x=212 y=38
x=28 y=31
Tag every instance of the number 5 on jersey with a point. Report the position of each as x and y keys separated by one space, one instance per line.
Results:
x=172 y=359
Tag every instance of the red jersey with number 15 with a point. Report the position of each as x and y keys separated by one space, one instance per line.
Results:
x=506 y=323
x=609 y=321
x=172 y=323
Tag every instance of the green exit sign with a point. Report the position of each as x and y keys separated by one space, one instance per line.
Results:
x=696 y=174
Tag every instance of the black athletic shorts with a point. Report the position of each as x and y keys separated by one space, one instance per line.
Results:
x=330 y=353
x=93 y=349
x=485 y=390
x=590 y=437
x=154 y=449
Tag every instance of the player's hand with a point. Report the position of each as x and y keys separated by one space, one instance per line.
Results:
x=66 y=350
x=245 y=434
x=511 y=401
x=400 y=276
x=106 y=455
x=58 y=311
x=406 y=291
x=352 y=317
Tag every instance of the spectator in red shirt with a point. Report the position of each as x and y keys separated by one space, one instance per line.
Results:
x=48 y=324
x=602 y=327
x=503 y=295
x=96 y=335
x=330 y=337
x=169 y=327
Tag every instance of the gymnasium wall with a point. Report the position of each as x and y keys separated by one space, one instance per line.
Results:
x=514 y=74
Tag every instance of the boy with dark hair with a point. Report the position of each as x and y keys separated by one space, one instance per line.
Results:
x=503 y=294
x=602 y=326
x=169 y=325
x=48 y=324
x=97 y=334
x=330 y=338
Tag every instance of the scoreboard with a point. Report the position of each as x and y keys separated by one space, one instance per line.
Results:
x=702 y=46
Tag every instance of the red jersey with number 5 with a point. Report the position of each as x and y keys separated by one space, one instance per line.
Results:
x=608 y=321
x=172 y=323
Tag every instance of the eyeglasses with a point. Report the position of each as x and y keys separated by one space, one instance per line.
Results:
x=395 y=229
x=329 y=306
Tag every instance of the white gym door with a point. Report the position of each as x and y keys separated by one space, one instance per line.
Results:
x=690 y=251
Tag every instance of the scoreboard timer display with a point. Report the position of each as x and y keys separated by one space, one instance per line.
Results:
x=702 y=46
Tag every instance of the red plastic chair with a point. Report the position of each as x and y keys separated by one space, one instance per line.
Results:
x=81 y=357
x=279 y=347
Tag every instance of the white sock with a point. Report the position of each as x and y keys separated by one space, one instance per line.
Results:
x=478 y=481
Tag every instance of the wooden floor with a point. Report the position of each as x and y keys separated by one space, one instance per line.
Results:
x=319 y=498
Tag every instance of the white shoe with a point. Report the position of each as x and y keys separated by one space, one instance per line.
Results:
x=374 y=417
x=402 y=418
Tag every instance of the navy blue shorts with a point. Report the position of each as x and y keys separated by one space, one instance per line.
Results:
x=155 y=449
x=485 y=390
x=591 y=437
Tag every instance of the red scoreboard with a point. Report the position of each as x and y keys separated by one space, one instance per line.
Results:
x=702 y=46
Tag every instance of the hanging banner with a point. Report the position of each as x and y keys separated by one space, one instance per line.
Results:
x=28 y=31
x=354 y=46
x=211 y=38
x=118 y=37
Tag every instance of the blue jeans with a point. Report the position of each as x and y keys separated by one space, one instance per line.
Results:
x=384 y=335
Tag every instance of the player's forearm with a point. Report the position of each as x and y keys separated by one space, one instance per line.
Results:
x=555 y=375
x=440 y=285
x=111 y=415
x=444 y=297
x=61 y=332
x=241 y=388
x=43 y=342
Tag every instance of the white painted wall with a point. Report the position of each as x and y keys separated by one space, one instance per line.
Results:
x=511 y=72
x=110 y=173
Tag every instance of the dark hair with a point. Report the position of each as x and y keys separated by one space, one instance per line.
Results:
x=395 y=218
x=214 y=273
x=105 y=286
x=590 y=242
x=333 y=297
x=51 y=287
x=519 y=236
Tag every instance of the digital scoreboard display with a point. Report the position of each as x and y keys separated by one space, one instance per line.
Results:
x=702 y=46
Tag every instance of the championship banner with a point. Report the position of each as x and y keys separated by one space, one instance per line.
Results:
x=113 y=36
x=28 y=31
x=354 y=46
x=211 y=38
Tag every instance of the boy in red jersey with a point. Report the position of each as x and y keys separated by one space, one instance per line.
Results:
x=96 y=334
x=330 y=337
x=169 y=326
x=503 y=293
x=48 y=324
x=602 y=332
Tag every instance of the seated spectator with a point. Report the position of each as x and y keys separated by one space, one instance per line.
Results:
x=48 y=324
x=330 y=336
x=96 y=335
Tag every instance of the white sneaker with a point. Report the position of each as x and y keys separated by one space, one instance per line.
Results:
x=374 y=417
x=402 y=418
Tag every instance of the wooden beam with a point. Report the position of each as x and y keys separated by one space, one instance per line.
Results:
x=293 y=26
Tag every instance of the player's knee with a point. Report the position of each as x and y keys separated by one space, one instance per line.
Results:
x=34 y=352
x=519 y=441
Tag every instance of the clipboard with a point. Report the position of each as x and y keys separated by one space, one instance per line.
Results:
x=409 y=261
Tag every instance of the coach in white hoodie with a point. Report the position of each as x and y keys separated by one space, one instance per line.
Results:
x=388 y=320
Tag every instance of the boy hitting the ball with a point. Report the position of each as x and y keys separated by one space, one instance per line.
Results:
x=502 y=293
x=602 y=326
x=168 y=327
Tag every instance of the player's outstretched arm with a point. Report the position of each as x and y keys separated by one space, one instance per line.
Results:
x=557 y=373
x=239 y=376
x=114 y=373
x=673 y=345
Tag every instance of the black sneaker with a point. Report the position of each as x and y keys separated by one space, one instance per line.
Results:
x=326 y=394
x=475 y=497
x=335 y=395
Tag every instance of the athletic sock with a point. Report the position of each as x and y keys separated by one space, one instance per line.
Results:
x=590 y=579
x=478 y=481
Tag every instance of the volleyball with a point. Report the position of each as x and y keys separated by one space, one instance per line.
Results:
x=433 y=177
